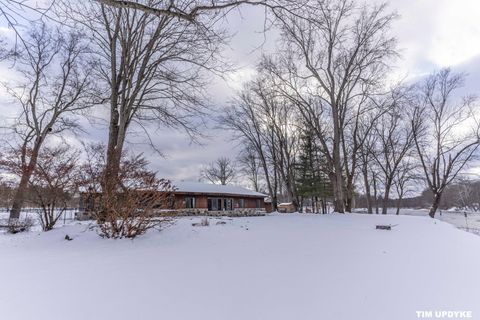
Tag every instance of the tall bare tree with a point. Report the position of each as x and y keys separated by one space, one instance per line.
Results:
x=337 y=55
x=268 y=125
x=394 y=138
x=151 y=69
x=367 y=164
x=54 y=86
x=405 y=174
x=446 y=131
x=220 y=171
x=250 y=166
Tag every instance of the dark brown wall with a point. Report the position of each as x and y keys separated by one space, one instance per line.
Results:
x=252 y=203
x=201 y=202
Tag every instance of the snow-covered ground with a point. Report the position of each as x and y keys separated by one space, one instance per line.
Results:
x=274 y=267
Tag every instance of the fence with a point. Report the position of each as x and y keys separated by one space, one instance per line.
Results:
x=33 y=213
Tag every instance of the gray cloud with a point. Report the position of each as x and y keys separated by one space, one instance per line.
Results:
x=431 y=34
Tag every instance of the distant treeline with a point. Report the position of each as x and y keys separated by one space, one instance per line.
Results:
x=463 y=195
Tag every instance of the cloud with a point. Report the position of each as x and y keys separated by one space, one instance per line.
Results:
x=431 y=34
x=436 y=33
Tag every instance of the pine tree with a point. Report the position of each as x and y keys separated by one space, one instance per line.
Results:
x=312 y=181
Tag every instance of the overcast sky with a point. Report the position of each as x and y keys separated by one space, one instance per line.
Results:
x=432 y=34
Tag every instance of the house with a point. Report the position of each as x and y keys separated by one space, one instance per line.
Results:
x=197 y=198
x=213 y=199
x=286 y=207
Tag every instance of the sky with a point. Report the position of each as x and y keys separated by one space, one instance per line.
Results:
x=432 y=34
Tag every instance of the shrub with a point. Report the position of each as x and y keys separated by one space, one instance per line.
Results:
x=19 y=225
x=130 y=210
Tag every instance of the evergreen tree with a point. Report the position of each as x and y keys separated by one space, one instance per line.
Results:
x=312 y=182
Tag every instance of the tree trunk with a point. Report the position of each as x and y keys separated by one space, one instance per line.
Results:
x=19 y=196
x=337 y=165
x=348 y=203
x=116 y=140
x=338 y=194
x=338 y=203
x=399 y=204
x=388 y=186
x=435 y=204
x=367 y=191
x=349 y=197
x=375 y=194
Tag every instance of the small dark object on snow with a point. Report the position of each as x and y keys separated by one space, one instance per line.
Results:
x=67 y=237
x=203 y=223
x=221 y=222
x=383 y=227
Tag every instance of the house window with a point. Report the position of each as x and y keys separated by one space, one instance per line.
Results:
x=227 y=204
x=214 y=204
x=189 y=202
x=240 y=203
x=258 y=203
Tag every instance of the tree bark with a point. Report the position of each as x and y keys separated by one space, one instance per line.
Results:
x=375 y=193
x=388 y=186
x=338 y=185
x=116 y=140
x=19 y=196
x=399 y=204
x=367 y=191
x=436 y=202
x=349 y=197
x=338 y=205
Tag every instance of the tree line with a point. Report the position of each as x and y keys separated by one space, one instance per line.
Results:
x=326 y=102
x=320 y=120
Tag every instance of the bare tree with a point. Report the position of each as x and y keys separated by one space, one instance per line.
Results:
x=253 y=131
x=468 y=194
x=250 y=166
x=151 y=70
x=220 y=171
x=394 y=139
x=405 y=174
x=54 y=86
x=336 y=57
x=367 y=163
x=268 y=125
x=446 y=131
x=54 y=181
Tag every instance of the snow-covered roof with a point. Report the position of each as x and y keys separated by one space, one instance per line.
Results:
x=200 y=187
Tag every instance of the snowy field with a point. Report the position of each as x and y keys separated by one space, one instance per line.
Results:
x=274 y=267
